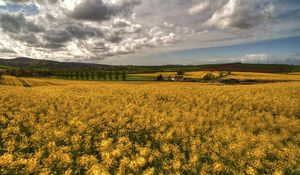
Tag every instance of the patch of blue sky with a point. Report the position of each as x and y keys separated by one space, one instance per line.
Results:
x=284 y=46
x=28 y=9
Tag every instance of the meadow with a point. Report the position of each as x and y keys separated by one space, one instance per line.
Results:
x=86 y=127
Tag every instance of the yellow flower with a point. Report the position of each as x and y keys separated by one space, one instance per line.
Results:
x=278 y=172
x=149 y=171
x=6 y=159
x=97 y=170
x=250 y=171
x=176 y=164
x=105 y=144
x=217 y=167
x=141 y=161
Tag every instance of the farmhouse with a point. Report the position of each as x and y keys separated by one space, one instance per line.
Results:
x=178 y=78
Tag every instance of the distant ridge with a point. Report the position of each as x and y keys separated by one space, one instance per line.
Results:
x=30 y=63
x=25 y=62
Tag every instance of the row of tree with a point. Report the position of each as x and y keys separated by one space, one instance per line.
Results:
x=75 y=75
x=28 y=73
x=92 y=75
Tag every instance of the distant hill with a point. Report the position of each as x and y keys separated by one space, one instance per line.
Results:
x=264 y=68
x=29 y=63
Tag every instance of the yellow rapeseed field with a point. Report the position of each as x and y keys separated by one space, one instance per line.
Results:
x=29 y=82
x=265 y=76
x=150 y=128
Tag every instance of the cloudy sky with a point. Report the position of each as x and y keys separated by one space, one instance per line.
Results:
x=152 y=32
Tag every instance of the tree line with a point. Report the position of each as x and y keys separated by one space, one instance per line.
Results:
x=102 y=75
x=92 y=75
x=28 y=73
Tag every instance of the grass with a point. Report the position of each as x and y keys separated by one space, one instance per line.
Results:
x=141 y=78
x=7 y=67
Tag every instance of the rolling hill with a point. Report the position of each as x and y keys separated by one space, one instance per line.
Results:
x=29 y=63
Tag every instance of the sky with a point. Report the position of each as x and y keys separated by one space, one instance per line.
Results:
x=152 y=32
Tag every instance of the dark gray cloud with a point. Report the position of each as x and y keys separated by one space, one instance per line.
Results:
x=97 y=10
x=92 y=10
x=18 y=28
x=57 y=36
x=17 y=23
x=81 y=31
x=52 y=45
x=7 y=50
x=39 y=1
x=28 y=38
x=114 y=38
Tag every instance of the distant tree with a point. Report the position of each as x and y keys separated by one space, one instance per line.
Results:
x=87 y=75
x=208 y=76
x=283 y=69
x=124 y=75
x=70 y=75
x=116 y=75
x=99 y=75
x=66 y=75
x=56 y=73
x=12 y=72
x=180 y=72
x=1 y=74
x=17 y=74
x=160 y=78
x=93 y=75
x=21 y=72
x=60 y=74
x=104 y=76
x=81 y=75
x=110 y=75
x=77 y=75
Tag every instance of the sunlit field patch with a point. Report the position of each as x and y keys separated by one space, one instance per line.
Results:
x=295 y=76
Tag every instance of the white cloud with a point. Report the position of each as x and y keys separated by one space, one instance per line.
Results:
x=256 y=58
x=241 y=14
x=199 y=8
x=2 y=3
x=103 y=29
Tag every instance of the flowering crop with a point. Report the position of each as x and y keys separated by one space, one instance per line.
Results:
x=150 y=128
